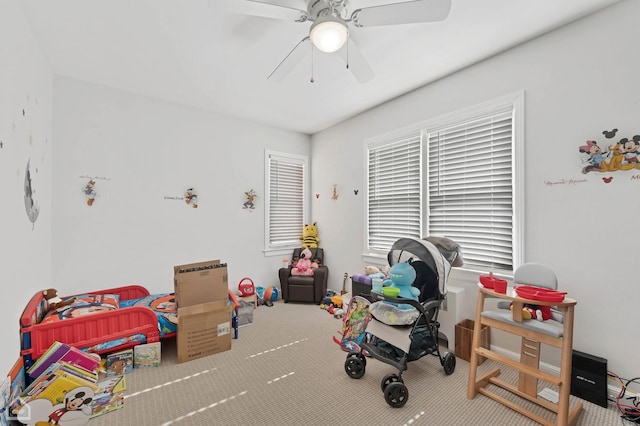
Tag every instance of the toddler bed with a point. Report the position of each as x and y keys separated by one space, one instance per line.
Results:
x=101 y=321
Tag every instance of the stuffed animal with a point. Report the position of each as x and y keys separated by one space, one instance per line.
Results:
x=374 y=272
x=538 y=312
x=402 y=275
x=310 y=236
x=303 y=266
x=55 y=302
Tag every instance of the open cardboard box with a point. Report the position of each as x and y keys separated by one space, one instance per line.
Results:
x=204 y=313
x=203 y=330
x=202 y=282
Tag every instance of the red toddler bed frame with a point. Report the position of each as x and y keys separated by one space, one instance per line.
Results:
x=91 y=330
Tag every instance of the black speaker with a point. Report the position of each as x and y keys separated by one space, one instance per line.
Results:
x=589 y=378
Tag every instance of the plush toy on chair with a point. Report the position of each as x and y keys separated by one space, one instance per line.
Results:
x=402 y=275
x=373 y=272
x=55 y=302
x=310 y=236
x=303 y=267
x=529 y=311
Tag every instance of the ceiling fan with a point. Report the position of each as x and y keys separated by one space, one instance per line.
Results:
x=330 y=22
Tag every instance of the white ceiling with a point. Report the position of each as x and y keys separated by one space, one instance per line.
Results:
x=192 y=53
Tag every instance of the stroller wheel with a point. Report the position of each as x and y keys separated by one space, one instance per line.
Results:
x=354 y=366
x=449 y=363
x=396 y=394
x=388 y=379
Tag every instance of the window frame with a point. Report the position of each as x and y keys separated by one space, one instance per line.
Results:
x=285 y=247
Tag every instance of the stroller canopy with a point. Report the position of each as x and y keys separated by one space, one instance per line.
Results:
x=437 y=256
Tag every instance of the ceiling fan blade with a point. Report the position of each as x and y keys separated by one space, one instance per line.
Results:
x=293 y=58
x=264 y=9
x=356 y=63
x=408 y=12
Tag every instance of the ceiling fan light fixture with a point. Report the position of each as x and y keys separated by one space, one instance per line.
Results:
x=329 y=33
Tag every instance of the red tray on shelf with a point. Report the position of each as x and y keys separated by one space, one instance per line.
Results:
x=539 y=293
x=488 y=281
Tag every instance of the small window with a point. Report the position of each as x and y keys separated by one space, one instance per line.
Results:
x=286 y=207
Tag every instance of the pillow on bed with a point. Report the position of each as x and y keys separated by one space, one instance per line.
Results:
x=84 y=304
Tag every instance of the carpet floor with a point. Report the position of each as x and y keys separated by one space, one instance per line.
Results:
x=285 y=369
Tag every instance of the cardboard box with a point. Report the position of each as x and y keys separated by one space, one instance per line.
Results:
x=203 y=330
x=202 y=282
x=464 y=337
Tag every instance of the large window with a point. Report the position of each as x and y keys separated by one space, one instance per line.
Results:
x=469 y=180
x=286 y=199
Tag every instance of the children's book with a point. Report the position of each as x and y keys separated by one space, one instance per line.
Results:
x=61 y=352
x=17 y=377
x=5 y=391
x=57 y=397
x=147 y=355
x=119 y=362
x=109 y=396
x=354 y=324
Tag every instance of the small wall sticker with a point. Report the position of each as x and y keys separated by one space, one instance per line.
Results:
x=250 y=196
x=191 y=198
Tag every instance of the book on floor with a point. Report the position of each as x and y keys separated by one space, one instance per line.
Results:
x=61 y=352
x=118 y=363
x=60 y=395
x=147 y=355
x=109 y=396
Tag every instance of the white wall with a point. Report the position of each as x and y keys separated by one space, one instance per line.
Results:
x=579 y=81
x=148 y=150
x=25 y=247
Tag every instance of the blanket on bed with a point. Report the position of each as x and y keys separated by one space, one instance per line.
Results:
x=163 y=304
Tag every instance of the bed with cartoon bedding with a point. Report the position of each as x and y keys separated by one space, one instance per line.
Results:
x=99 y=321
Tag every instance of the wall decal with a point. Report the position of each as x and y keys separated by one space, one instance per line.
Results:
x=250 y=195
x=317 y=195
x=89 y=192
x=607 y=179
x=620 y=155
x=334 y=193
x=191 y=198
x=355 y=192
x=30 y=205
x=88 y=189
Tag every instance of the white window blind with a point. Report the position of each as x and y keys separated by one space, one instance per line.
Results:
x=470 y=188
x=285 y=199
x=394 y=192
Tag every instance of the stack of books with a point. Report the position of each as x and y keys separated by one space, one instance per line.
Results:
x=64 y=381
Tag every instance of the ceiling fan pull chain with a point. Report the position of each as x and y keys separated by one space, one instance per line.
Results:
x=311 y=80
x=347 y=53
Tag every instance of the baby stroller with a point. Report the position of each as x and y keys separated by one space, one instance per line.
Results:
x=396 y=345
